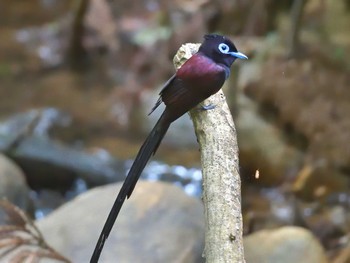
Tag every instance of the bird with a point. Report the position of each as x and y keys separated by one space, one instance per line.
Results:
x=198 y=78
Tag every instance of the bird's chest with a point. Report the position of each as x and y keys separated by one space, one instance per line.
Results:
x=203 y=75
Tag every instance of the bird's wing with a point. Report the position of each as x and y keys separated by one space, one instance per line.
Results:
x=165 y=86
x=175 y=92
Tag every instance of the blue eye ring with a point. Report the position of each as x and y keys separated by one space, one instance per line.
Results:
x=224 y=48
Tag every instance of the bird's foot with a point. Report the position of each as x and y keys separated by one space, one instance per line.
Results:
x=207 y=107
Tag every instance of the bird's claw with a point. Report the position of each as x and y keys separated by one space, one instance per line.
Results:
x=207 y=107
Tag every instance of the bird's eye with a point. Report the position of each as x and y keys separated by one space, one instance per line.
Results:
x=224 y=48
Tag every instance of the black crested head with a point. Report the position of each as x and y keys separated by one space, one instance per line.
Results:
x=220 y=49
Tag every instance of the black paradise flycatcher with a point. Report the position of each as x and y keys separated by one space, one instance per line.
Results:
x=198 y=78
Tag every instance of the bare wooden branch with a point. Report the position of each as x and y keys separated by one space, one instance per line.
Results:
x=76 y=51
x=294 y=36
x=217 y=138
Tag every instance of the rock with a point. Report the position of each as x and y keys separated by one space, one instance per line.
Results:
x=286 y=244
x=13 y=185
x=159 y=223
x=46 y=120
x=49 y=163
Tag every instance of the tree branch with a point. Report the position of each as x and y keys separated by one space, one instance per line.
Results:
x=217 y=138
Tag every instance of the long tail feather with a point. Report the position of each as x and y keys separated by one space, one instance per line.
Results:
x=148 y=148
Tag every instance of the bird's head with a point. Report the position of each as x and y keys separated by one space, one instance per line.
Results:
x=220 y=49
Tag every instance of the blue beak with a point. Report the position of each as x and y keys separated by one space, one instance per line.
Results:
x=238 y=55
